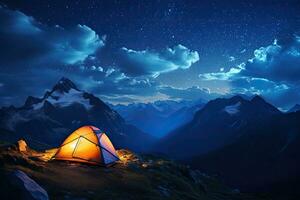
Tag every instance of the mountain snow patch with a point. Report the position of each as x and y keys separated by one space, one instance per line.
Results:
x=233 y=109
x=63 y=99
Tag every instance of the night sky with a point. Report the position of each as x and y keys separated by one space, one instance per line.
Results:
x=140 y=51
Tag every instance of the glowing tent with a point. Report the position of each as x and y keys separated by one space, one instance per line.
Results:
x=89 y=145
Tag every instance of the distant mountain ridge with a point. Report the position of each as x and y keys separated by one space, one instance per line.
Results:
x=160 y=117
x=295 y=108
x=217 y=124
x=63 y=109
x=250 y=144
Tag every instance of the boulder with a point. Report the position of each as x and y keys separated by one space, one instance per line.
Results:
x=29 y=189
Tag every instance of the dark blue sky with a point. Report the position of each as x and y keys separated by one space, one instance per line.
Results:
x=128 y=51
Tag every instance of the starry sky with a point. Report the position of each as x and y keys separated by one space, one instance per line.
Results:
x=142 y=50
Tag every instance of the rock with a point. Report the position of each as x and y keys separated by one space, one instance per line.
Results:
x=235 y=191
x=144 y=165
x=29 y=189
x=164 y=191
x=22 y=146
x=196 y=177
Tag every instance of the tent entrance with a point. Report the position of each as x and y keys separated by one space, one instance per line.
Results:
x=87 y=150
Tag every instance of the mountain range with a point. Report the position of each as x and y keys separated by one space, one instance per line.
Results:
x=49 y=119
x=249 y=143
x=160 y=117
x=218 y=123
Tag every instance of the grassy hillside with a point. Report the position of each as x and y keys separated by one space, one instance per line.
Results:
x=133 y=177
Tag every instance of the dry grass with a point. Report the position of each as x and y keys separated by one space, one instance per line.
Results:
x=133 y=177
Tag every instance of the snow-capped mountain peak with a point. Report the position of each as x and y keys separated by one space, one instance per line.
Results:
x=233 y=109
x=64 y=85
x=59 y=99
x=63 y=109
x=64 y=93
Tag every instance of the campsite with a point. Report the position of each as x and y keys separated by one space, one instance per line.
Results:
x=132 y=177
x=87 y=166
x=149 y=99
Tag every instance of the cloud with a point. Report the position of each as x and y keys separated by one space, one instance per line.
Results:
x=37 y=53
x=146 y=62
x=33 y=56
x=273 y=72
x=34 y=51
x=222 y=75
x=99 y=68
x=109 y=71
x=279 y=61
x=111 y=81
x=252 y=85
x=113 y=85
x=29 y=43
x=231 y=58
x=243 y=51
x=280 y=94
x=127 y=99
x=192 y=93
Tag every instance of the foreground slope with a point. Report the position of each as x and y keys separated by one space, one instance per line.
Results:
x=134 y=177
x=264 y=158
x=249 y=143
x=48 y=120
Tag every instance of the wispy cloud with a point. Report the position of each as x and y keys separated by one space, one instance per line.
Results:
x=153 y=63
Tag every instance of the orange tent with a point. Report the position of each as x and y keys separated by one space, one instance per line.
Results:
x=89 y=145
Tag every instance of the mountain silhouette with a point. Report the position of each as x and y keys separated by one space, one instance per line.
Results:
x=219 y=123
x=63 y=109
x=264 y=158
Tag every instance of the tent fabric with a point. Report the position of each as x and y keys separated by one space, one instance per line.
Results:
x=87 y=144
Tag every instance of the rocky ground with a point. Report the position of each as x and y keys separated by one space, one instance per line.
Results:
x=28 y=174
